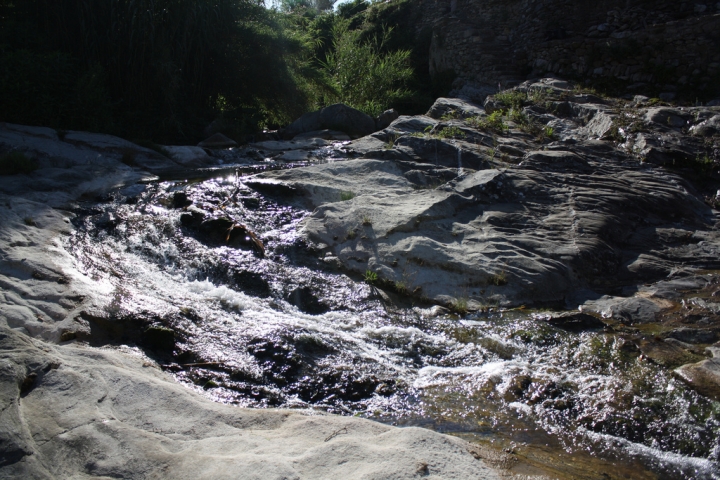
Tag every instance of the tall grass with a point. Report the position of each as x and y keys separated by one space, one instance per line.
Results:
x=364 y=76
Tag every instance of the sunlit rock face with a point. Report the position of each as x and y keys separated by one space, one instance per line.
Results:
x=529 y=210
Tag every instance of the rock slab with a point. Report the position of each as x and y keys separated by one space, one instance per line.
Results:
x=74 y=412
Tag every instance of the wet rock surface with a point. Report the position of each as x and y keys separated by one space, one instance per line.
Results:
x=336 y=307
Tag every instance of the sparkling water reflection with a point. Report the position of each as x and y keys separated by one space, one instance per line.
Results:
x=286 y=329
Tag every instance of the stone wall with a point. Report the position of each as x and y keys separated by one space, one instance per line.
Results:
x=664 y=46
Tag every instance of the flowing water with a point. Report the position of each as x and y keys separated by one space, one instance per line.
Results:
x=285 y=328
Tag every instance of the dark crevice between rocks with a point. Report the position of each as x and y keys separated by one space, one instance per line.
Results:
x=149 y=332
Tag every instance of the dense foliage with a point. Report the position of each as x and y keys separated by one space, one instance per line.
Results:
x=165 y=69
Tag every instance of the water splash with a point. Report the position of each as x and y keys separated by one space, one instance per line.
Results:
x=286 y=331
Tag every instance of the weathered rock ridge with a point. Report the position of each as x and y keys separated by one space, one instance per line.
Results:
x=70 y=412
x=562 y=195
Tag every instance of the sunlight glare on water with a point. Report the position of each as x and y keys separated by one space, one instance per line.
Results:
x=284 y=329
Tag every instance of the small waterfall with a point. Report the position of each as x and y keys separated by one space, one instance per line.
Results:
x=459 y=155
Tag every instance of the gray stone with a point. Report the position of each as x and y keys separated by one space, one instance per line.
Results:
x=664 y=116
x=454 y=108
x=572 y=321
x=190 y=156
x=82 y=163
x=674 y=288
x=218 y=140
x=456 y=212
x=693 y=335
x=334 y=117
x=704 y=376
x=492 y=105
x=386 y=118
x=324 y=135
x=707 y=128
x=631 y=311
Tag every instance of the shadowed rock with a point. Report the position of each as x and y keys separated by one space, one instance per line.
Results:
x=335 y=117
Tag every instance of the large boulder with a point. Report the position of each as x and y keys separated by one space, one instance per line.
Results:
x=335 y=117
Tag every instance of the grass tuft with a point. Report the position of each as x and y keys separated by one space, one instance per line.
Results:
x=459 y=306
x=345 y=196
x=494 y=121
x=499 y=279
x=370 y=277
x=450 y=132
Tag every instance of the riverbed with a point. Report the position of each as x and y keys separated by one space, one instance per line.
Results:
x=279 y=324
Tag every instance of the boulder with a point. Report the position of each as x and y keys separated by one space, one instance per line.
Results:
x=386 y=118
x=572 y=321
x=693 y=335
x=454 y=108
x=78 y=163
x=668 y=117
x=218 y=140
x=704 y=376
x=326 y=134
x=666 y=354
x=334 y=117
x=190 y=156
x=707 y=128
x=457 y=215
x=630 y=311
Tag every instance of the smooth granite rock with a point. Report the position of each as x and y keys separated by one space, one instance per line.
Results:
x=80 y=412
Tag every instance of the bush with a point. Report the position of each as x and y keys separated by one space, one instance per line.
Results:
x=363 y=77
x=13 y=163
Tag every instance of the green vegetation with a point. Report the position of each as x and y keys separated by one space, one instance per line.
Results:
x=459 y=305
x=512 y=99
x=391 y=142
x=451 y=115
x=364 y=77
x=345 y=196
x=366 y=220
x=166 y=69
x=494 y=121
x=370 y=277
x=498 y=279
x=450 y=132
x=14 y=162
x=401 y=287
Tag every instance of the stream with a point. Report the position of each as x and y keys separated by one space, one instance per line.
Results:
x=279 y=325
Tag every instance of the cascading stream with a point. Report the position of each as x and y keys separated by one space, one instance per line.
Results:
x=285 y=329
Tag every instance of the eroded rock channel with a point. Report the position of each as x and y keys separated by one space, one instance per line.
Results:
x=524 y=281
